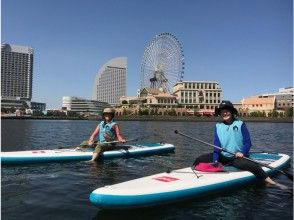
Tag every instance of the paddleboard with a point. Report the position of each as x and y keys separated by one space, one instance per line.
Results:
x=55 y=155
x=179 y=185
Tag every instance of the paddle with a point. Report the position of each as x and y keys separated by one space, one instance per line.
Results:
x=112 y=142
x=85 y=143
x=290 y=176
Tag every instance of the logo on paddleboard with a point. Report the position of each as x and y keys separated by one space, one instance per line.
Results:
x=166 y=178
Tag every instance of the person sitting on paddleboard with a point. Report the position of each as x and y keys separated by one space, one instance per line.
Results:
x=108 y=131
x=233 y=135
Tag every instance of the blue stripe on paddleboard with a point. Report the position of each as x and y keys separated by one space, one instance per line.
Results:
x=18 y=160
x=145 y=152
x=260 y=156
x=150 y=145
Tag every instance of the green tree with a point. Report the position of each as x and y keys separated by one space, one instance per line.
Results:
x=273 y=114
x=289 y=112
x=253 y=114
x=172 y=112
x=143 y=111
x=152 y=112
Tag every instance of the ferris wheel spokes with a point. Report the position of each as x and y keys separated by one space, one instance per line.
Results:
x=163 y=63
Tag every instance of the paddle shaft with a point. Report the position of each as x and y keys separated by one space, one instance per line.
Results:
x=246 y=158
x=96 y=142
x=112 y=142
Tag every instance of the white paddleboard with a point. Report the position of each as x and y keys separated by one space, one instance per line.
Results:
x=178 y=185
x=55 y=155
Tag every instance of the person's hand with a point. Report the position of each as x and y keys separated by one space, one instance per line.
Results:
x=239 y=155
x=90 y=142
x=122 y=140
x=215 y=164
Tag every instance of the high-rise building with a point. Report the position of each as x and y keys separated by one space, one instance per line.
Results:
x=110 y=81
x=16 y=72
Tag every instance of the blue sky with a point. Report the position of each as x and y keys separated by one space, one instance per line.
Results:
x=245 y=45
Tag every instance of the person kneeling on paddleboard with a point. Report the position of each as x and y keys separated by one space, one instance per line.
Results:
x=108 y=131
x=233 y=135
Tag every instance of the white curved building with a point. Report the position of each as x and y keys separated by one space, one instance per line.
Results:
x=110 y=81
x=81 y=105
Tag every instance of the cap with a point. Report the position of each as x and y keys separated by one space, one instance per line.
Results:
x=109 y=110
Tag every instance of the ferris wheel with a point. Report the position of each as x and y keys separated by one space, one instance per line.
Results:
x=162 y=63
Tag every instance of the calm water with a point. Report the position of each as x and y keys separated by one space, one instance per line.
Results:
x=61 y=190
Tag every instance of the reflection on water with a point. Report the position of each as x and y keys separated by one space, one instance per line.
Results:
x=61 y=190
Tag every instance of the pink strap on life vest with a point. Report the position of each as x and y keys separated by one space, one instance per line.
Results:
x=208 y=167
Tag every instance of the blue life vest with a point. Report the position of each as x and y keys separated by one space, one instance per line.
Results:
x=230 y=137
x=106 y=128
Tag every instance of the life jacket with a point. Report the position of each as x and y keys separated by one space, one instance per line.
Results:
x=230 y=137
x=106 y=128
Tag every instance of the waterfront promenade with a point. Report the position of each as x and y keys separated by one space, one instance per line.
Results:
x=156 y=118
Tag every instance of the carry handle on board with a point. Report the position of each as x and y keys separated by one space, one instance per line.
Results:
x=290 y=176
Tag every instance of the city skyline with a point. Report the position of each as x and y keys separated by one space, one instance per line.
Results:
x=246 y=46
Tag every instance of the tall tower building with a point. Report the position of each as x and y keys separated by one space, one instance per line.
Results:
x=110 y=81
x=16 y=72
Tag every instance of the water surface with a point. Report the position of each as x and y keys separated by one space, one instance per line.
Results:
x=61 y=190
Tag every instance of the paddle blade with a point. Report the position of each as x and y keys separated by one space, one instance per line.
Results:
x=84 y=143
